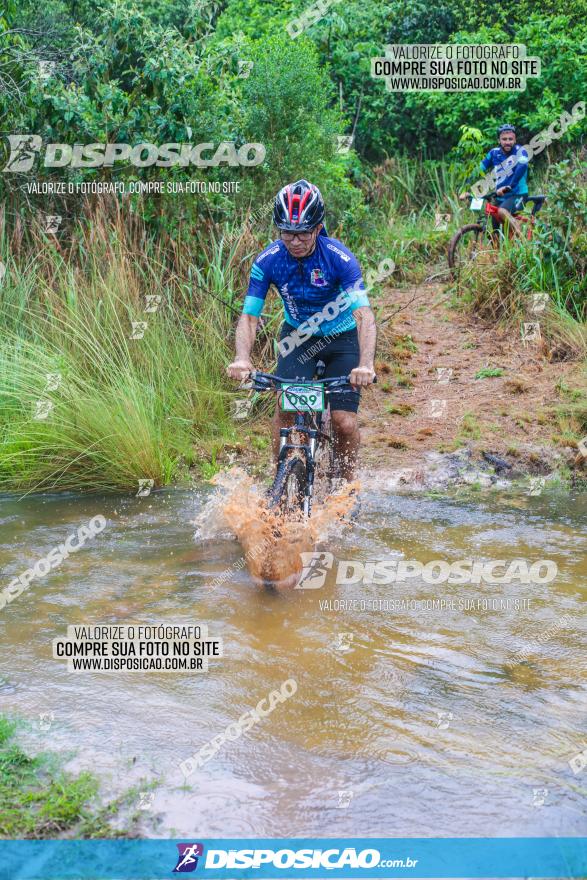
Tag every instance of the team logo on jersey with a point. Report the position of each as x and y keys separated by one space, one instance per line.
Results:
x=317 y=278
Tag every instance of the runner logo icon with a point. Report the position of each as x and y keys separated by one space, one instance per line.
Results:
x=187 y=860
x=23 y=151
x=314 y=571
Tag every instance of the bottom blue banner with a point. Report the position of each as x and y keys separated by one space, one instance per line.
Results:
x=293 y=857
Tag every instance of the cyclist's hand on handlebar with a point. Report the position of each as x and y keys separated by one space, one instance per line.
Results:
x=239 y=369
x=503 y=190
x=362 y=376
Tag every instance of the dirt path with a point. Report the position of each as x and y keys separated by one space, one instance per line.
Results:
x=428 y=400
x=427 y=397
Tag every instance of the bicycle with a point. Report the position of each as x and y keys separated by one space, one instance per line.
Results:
x=473 y=238
x=306 y=445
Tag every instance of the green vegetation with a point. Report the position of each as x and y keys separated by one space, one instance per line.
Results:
x=399 y=409
x=505 y=286
x=452 y=445
x=469 y=427
x=489 y=373
x=83 y=404
x=227 y=71
x=570 y=417
x=403 y=347
x=38 y=800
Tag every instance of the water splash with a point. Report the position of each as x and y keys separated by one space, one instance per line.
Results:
x=272 y=542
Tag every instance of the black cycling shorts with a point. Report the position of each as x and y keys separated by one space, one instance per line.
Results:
x=339 y=352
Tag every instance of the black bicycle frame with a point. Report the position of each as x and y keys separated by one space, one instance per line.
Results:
x=303 y=424
x=309 y=449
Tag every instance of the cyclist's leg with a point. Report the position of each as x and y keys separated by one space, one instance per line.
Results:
x=508 y=208
x=347 y=439
x=341 y=355
x=509 y=222
x=495 y=225
x=298 y=364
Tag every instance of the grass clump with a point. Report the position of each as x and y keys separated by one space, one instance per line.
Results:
x=111 y=370
x=39 y=801
x=569 y=417
x=399 y=409
x=470 y=427
x=396 y=443
x=515 y=386
x=403 y=347
x=489 y=373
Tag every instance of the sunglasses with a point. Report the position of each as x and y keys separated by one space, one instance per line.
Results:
x=297 y=236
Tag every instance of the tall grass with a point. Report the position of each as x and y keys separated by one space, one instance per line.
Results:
x=406 y=193
x=407 y=185
x=83 y=405
x=499 y=287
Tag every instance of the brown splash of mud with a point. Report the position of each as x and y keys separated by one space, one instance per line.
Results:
x=273 y=543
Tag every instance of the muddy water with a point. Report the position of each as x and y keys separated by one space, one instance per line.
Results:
x=407 y=722
x=272 y=542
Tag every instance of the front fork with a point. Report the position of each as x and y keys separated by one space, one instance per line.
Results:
x=309 y=449
x=311 y=470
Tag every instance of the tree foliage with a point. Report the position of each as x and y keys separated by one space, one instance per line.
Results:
x=229 y=70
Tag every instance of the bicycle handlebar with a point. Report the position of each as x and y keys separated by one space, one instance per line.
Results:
x=538 y=200
x=265 y=381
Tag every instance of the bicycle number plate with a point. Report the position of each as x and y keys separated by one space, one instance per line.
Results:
x=476 y=204
x=302 y=398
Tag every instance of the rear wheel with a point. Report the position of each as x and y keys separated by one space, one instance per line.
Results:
x=465 y=246
x=288 y=492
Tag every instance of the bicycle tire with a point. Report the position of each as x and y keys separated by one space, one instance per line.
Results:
x=288 y=492
x=453 y=261
x=325 y=460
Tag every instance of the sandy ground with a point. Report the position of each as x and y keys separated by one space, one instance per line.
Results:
x=427 y=397
x=428 y=400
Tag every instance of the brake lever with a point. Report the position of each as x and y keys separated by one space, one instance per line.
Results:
x=258 y=383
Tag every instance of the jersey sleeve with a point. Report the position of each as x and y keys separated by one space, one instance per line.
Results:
x=520 y=168
x=487 y=162
x=351 y=283
x=259 y=283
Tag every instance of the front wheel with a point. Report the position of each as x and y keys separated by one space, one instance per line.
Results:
x=288 y=492
x=326 y=465
x=465 y=246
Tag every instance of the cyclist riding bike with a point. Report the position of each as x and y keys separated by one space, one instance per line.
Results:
x=510 y=162
x=327 y=315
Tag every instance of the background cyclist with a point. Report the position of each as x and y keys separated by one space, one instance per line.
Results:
x=327 y=315
x=510 y=163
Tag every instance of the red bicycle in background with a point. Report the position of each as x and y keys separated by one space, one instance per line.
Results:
x=473 y=238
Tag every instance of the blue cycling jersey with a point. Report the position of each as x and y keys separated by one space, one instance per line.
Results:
x=511 y=169
x=325 y=287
